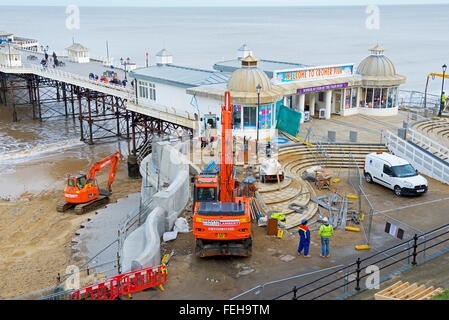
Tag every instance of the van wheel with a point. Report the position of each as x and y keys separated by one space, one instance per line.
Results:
x=397 y=191
x=368 y=178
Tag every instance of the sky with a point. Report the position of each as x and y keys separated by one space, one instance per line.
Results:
x=194 y=3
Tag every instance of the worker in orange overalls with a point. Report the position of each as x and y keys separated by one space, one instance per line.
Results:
x=304 y=239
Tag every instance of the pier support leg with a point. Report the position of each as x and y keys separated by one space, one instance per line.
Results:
x=72 y=102
x=91 y=141
x=32 y=97
x=14 y=112
x=64 y=97
x=57 y=92
x=80 y=113
x=117 y=114
x=39 y=101
x=127 y=124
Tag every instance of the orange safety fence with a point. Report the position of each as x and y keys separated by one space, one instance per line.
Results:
x=125 y=283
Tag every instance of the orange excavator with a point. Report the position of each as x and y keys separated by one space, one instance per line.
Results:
x=82 y=192
x=221 y=220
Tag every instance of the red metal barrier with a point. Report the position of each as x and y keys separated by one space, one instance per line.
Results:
x=125 y=283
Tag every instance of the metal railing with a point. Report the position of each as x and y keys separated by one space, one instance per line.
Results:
x=429 y=144
x=424 y=162
x=417 y=99
x=348 y=280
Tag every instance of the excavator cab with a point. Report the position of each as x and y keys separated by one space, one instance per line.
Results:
x=205 y=188
x=78 y=181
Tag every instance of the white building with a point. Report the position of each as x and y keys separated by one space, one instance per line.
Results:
x=312 y=91
x=78 y=53
x=9 y=56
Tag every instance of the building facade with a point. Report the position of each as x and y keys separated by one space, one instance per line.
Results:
x=260 y=87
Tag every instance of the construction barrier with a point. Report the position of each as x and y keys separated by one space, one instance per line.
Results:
x=125 y=284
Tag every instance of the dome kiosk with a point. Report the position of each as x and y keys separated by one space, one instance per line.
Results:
x=379 y=84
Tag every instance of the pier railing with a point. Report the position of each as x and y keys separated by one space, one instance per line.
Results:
x=67 y=77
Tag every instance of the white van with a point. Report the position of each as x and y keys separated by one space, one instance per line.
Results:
x=394 y=173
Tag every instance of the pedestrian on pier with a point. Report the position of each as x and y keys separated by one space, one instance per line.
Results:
x=304 y=239
x=46 y=56
x=124 y=82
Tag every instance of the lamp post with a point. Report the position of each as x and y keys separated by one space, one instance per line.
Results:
x=258 y=103
x=125 y=63
x=442 y=90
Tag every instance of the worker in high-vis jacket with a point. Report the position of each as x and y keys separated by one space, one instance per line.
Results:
x=304 y=239
x=325 y=232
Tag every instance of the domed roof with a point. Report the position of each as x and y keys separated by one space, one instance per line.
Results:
x=248 y=77
x=376 y=65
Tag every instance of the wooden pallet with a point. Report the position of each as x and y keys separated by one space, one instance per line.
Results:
x=407 y=291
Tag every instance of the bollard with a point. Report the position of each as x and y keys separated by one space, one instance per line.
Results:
x=332 y=136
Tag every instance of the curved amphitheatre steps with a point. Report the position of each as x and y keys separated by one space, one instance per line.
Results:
x=272 y=186
x=296 y=159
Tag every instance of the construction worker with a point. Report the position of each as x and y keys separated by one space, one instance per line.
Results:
x=325 y=232
x=443 y=101
x=304 y=239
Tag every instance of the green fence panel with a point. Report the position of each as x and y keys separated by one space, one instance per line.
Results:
x=288 y=121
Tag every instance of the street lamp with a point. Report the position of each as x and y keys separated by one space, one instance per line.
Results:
x=258 y=103
x=442 y=89
x=125 y=63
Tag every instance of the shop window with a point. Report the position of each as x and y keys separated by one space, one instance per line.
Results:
x=152 y=88
x=143 y=89
x=249 y=116
x=376 y=98
x=237 y=117
x=354 y=97
x=384 y=95
x=390 y=98
x=369 y=97
x=347 y=98
x=147 y=90
x=395 y=97
x=362 y=97
x=265 y=117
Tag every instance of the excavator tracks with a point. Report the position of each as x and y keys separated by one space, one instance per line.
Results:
x=82 y=208
x=92 y=205
x=63 y=206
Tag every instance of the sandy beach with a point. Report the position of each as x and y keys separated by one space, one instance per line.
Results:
x=34 y=237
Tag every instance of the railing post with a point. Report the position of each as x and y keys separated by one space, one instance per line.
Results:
x=415 y=246
x=358 y=275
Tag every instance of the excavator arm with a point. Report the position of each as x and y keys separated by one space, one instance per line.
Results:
x=112 y=160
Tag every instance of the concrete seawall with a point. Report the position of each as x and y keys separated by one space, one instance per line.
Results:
x=165 y=182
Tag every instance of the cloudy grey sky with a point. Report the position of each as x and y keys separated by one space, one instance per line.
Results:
x=181 y=3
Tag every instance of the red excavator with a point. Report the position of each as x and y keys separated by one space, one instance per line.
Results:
x=221 y=220
x=82 y=192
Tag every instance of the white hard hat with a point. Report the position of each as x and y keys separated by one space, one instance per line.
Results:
x=325 y=219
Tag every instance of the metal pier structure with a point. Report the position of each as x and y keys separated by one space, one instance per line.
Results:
x=102 y=110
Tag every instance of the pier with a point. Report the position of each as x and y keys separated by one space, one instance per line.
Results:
x=104 y=110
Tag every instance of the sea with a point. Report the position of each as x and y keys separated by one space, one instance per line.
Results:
x=416 y=39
